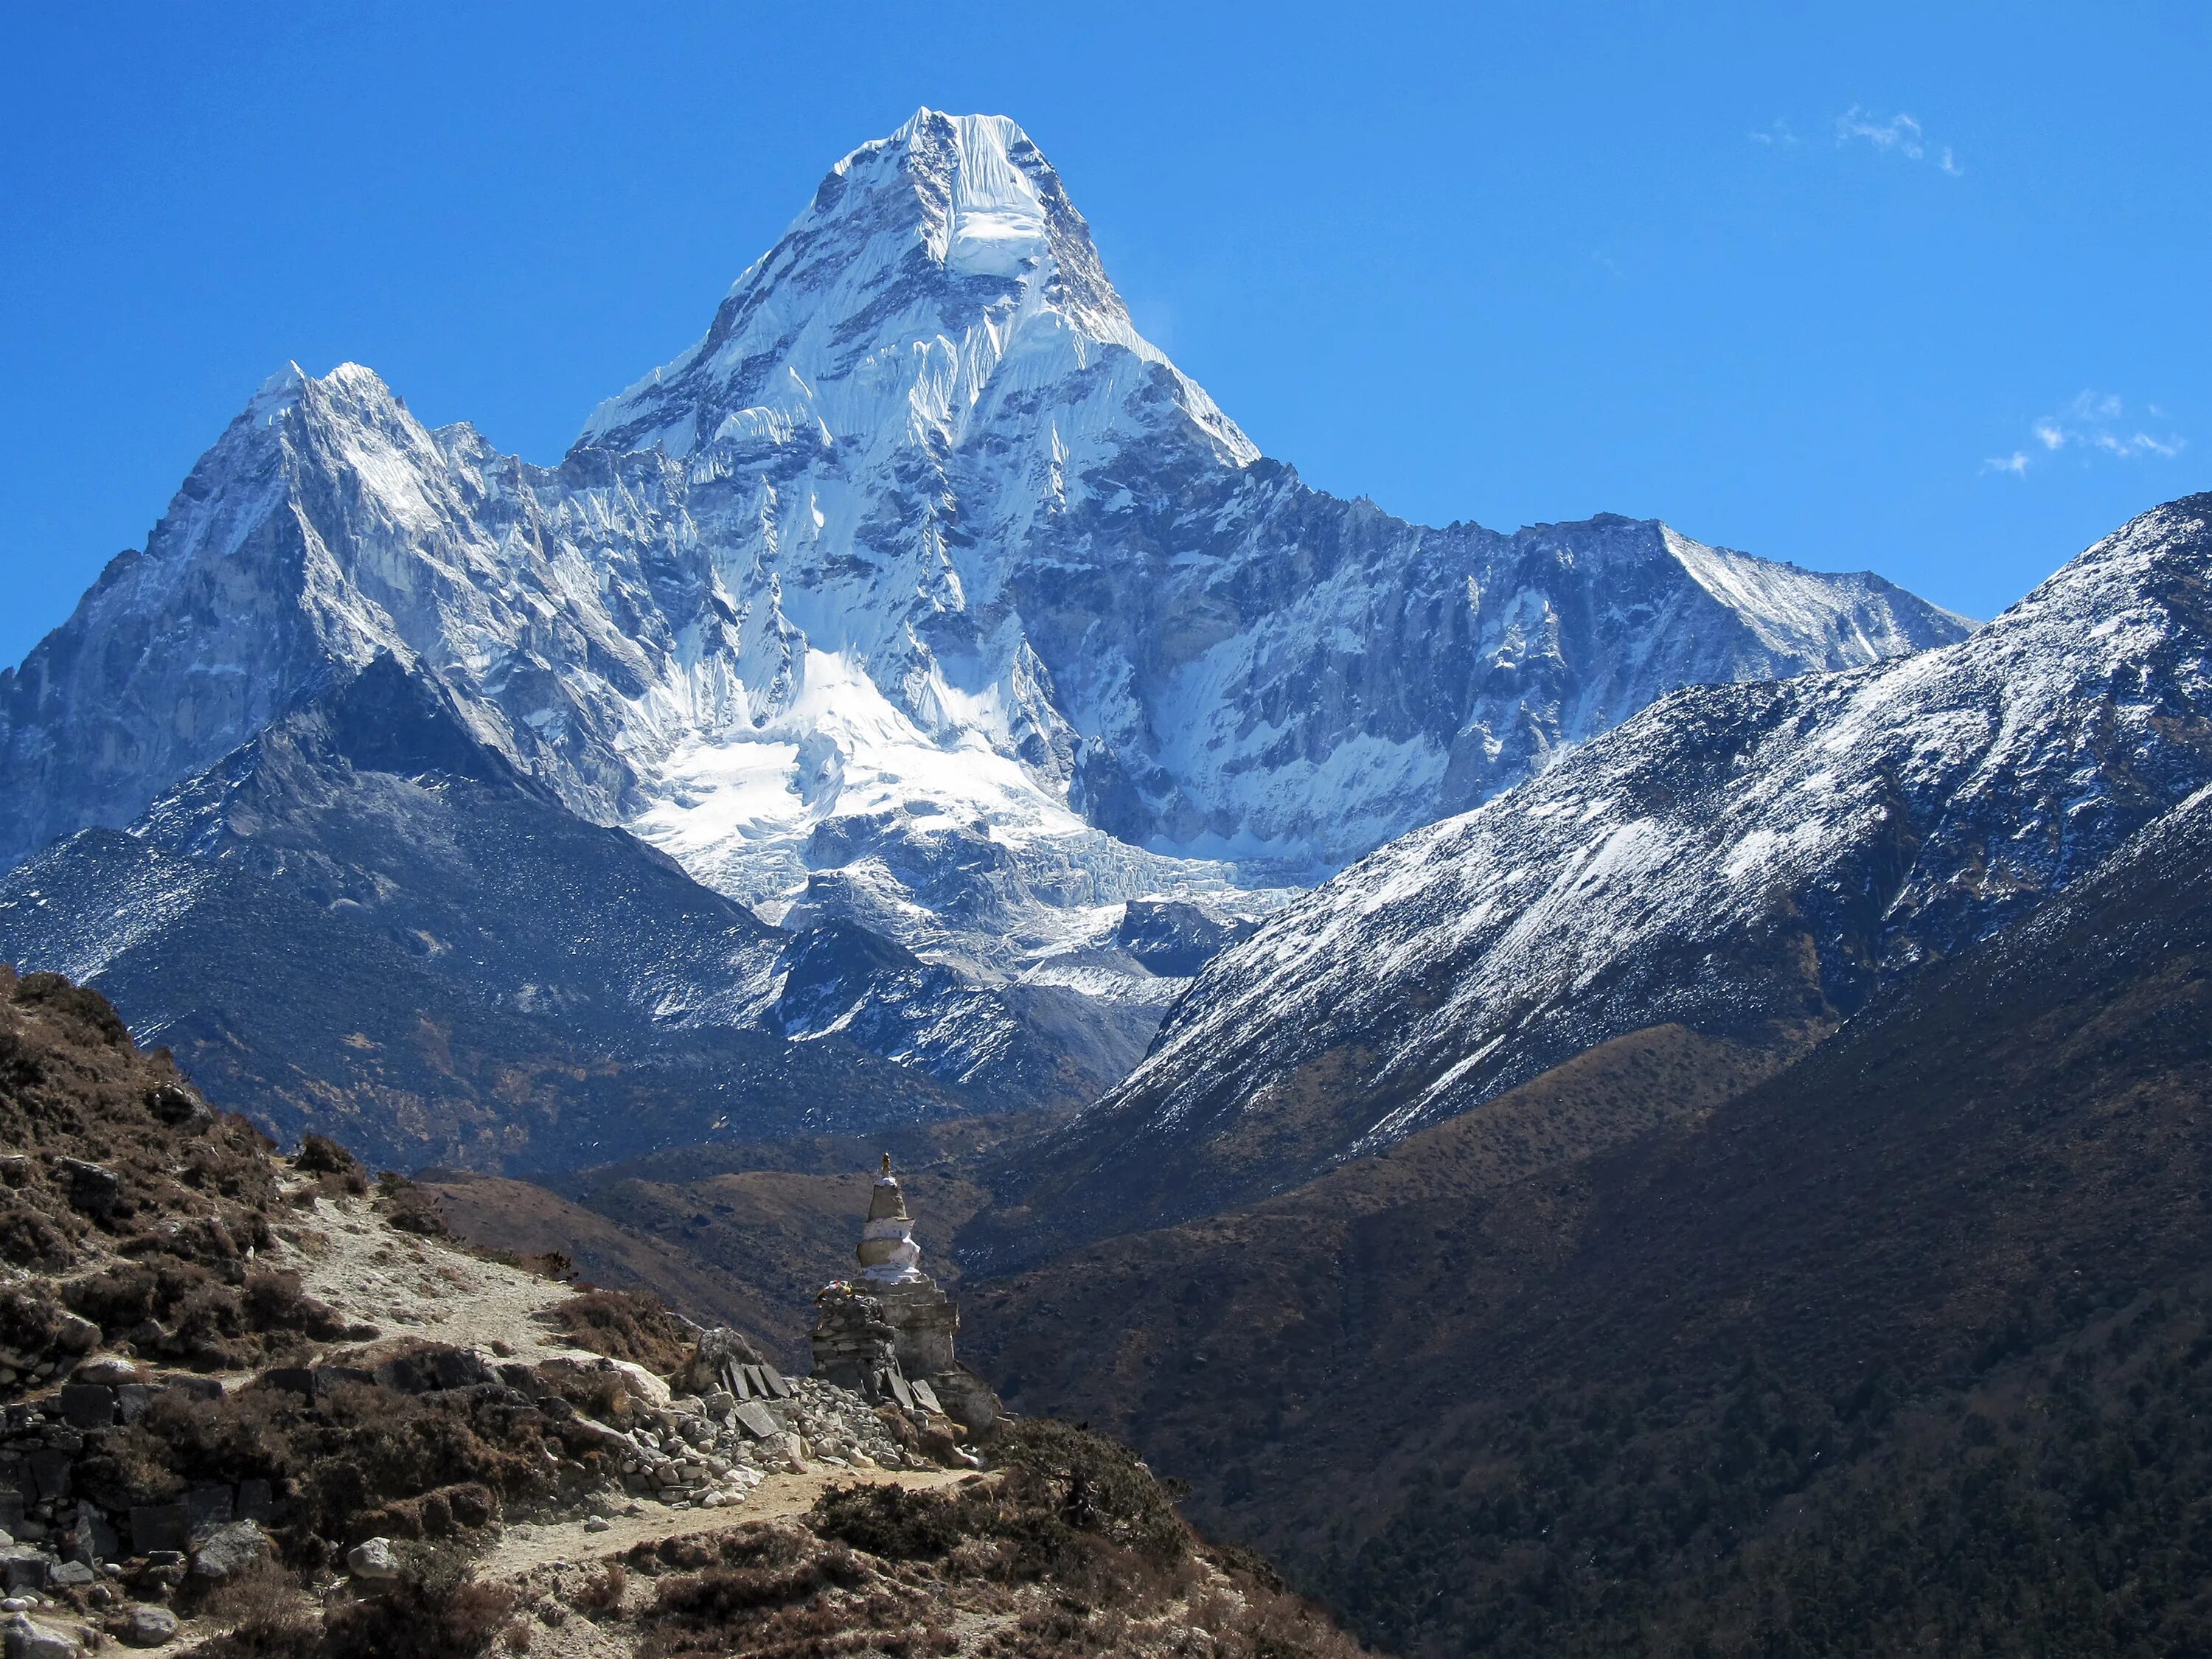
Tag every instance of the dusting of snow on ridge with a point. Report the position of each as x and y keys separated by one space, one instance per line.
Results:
x=1736 y=857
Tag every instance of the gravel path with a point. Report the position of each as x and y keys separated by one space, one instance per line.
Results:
x=564 y=1543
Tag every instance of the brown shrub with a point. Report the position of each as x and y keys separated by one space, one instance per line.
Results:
x=320 y=1155
x=97 y=1137
x=632 y=1325
x=265 y=1606
x=358 y=1461
x=29 y=1239
x=603 y=1592
x=438 y=1618
x=888 y=1521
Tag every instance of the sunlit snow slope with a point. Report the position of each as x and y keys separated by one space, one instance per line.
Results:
x=1752 y=861
x=921 y=593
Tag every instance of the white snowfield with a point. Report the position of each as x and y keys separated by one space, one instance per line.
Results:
x=1731 y=856
x=922 y=588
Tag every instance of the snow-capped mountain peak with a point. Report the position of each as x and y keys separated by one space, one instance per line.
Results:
x=922 y=592
x=937 y=270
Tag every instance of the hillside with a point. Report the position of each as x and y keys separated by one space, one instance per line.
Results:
x=257 y=1409
x=1899 y=1349
x=1755 y=862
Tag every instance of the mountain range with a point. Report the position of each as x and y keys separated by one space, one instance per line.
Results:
x=1752 y=862
x=1589 y=1092
x=921 y=601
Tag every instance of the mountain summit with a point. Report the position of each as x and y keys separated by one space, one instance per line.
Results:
x=938 y=274
x=922 y=595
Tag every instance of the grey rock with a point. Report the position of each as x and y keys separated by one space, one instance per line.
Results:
x=93 y=1188
x=759 y=1421
x=25 y=1639
x=228 y=1551
x=88 y=1404
x=143 y=1627
x=210 y=1507
x=178 y=1106
x=71 y=1572
x=23 y=1568
x=50 y=1472
x=96 y=1535
x=373 y=1559
x=156 y=1528
x=107 y=1370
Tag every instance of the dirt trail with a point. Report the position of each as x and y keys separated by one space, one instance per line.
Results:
x=349 y=1256
x=566 y=1542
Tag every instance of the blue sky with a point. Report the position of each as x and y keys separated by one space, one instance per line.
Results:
x=1921 y=288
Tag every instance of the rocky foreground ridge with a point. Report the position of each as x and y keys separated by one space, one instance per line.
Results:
x=263 y=1406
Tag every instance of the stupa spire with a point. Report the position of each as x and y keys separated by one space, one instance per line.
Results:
x=888 y=1254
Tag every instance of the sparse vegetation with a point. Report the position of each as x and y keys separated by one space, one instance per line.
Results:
x=1072 y=1550
x=630 y=1325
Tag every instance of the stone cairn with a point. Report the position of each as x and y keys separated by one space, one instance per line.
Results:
x=888 y=1334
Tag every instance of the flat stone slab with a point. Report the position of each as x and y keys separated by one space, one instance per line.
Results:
x=757 y=1421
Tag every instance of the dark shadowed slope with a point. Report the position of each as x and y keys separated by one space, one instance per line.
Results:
x=365 y=923
x=1907 y=1348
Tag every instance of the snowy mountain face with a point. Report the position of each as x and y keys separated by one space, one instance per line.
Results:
x=364 y=922
x=922 y=593
x=1750 y=861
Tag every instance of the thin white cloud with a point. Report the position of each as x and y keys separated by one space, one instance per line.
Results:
x=2092 y=423
x=1899 y=134
x=1777 y=136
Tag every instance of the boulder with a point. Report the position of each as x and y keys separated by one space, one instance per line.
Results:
x=22 y=1568
x=107 y=1371
x=94 y=1188
x=88 y=1404
x=23 y=1639
x=143 y=1627
x=178 y=1106
x=228 y=1550
x=155 y=1527
x=372 y=1559
x=717 y=1349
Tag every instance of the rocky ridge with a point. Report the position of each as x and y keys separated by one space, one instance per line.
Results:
x=1750 y=861
x=1666 y=1350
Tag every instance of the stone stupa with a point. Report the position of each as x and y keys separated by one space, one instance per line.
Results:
x=888 y=1334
